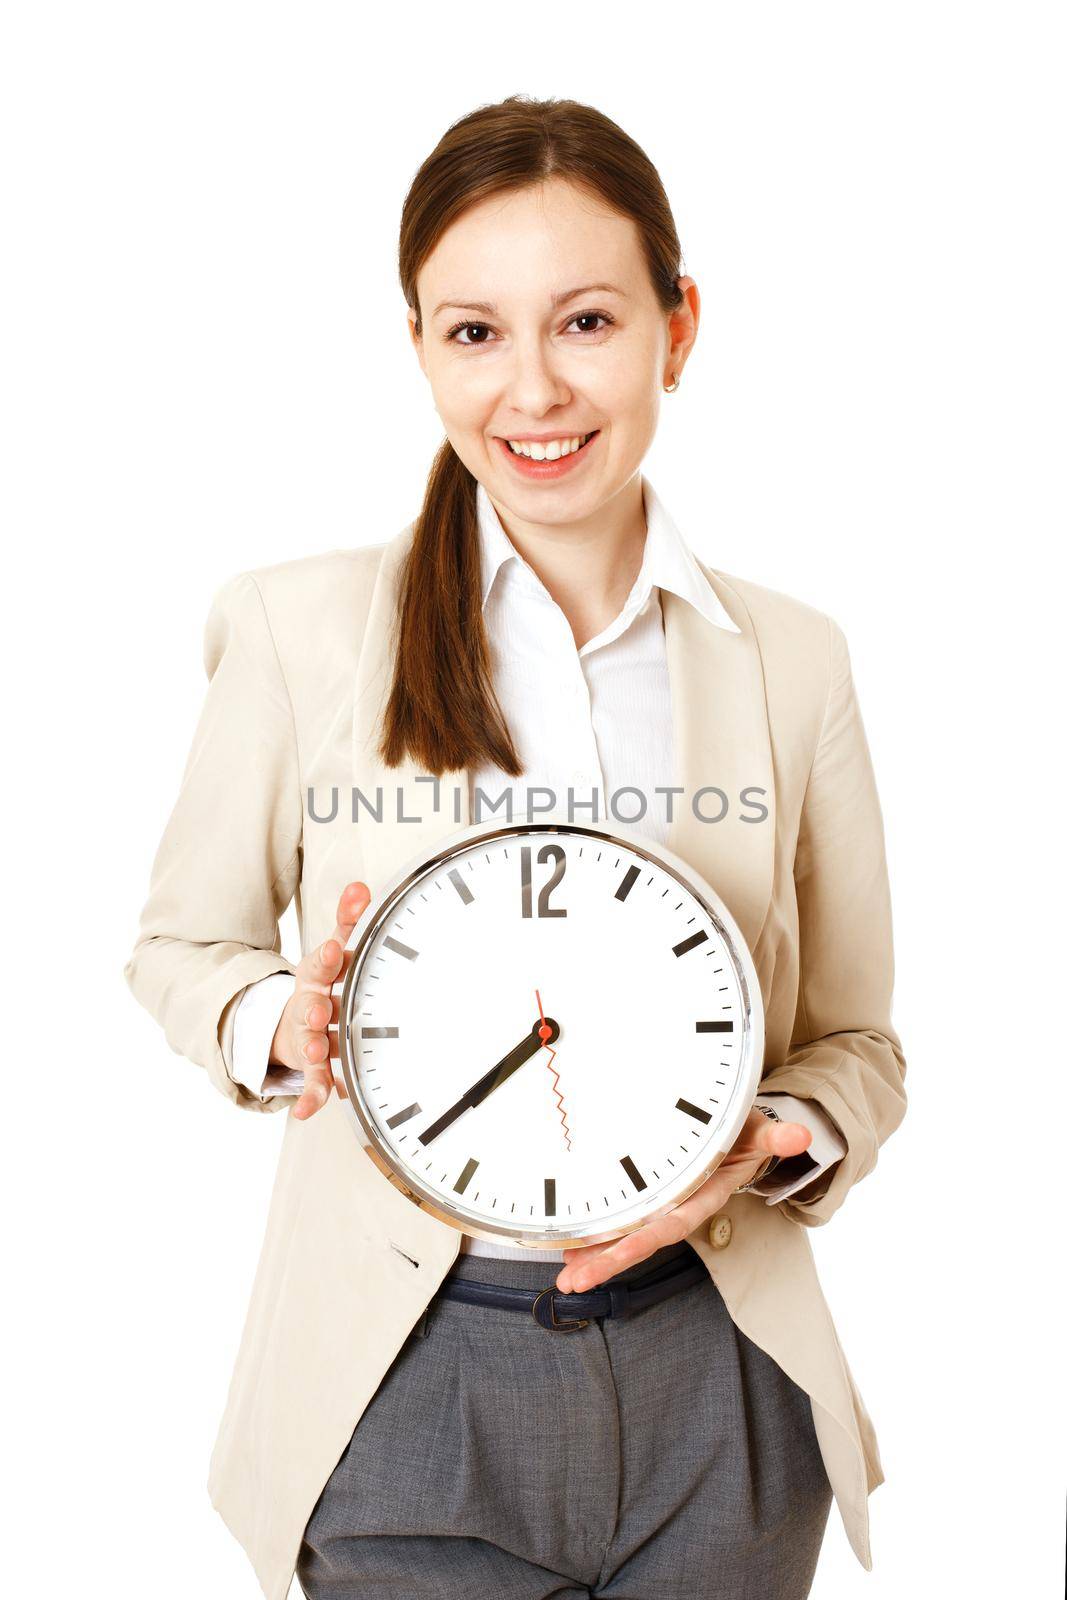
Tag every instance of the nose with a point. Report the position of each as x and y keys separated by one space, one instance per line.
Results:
x=535 y=383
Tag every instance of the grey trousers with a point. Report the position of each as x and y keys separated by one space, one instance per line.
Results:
x=662 y=1456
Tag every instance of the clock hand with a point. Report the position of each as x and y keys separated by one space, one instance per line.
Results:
x=527 y=1047
x=544 y=1034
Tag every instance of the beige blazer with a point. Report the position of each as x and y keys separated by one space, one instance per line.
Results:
x=298 y=656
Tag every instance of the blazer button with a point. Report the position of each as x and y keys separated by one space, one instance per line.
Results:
x=720 y=1231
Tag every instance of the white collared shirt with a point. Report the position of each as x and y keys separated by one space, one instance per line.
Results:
x=590 y=720
x=584 y=718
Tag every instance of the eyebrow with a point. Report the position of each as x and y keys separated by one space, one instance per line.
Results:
x=561 y=299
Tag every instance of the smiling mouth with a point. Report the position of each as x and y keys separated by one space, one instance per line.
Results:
x=550 y=450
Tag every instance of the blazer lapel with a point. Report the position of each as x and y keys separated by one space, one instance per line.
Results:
x=721 y=742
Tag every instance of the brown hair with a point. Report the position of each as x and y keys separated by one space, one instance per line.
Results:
x=442 y=709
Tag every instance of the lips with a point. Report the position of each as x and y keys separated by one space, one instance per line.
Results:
x=528 y=468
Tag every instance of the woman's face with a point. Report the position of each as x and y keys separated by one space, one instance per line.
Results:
x=513 y=352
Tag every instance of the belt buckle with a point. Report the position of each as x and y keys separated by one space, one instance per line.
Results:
x=555 y=1326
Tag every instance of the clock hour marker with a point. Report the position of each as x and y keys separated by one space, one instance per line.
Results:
x=687 y=944
x=693 y=1111
x=632 y=1173
x=550 y=1197
x=456 y=879
x=379 y=1033
x=401 y=949
x=632 y=875
x=465 y=1176
x=716 y=1027
x=402 y=1116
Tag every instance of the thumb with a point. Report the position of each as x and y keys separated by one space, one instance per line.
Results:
x=330 y=955
x=781 y=1139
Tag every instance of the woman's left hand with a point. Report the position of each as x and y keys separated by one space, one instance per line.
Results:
x=587 y=1265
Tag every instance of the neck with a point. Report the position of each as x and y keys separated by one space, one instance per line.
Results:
x=588 y=567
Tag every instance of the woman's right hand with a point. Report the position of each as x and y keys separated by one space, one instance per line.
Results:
x=303 y=1039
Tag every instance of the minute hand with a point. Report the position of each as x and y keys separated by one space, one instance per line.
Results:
x=528 y=1046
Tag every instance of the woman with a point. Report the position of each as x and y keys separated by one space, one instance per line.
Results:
x=543 y=619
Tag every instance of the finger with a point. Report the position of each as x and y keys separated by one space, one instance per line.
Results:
x=313 y=1047
x=325 y=966
x=329 y=959
x=315 y=1012
x=588 y=1265
x=584 y=1268
x=781 y=1138
x=355 y=898
x=316 y=1091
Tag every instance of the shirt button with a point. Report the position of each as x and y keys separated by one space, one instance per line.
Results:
x=720 y=1231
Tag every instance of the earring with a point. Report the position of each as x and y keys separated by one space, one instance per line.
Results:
x=669 y=388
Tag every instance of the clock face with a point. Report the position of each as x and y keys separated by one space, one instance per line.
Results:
x=550 y=1032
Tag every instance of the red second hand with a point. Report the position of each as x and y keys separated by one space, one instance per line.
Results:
x=544 y=1033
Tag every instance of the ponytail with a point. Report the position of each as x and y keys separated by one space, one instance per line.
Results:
x=443 y=711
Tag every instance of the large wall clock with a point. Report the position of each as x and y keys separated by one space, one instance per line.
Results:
x=549 y=1032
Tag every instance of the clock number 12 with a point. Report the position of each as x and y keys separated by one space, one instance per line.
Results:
x=547 y=852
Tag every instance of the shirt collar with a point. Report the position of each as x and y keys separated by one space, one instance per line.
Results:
x=668 y=562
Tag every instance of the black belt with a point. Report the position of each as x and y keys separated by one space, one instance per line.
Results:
x=607 y=1300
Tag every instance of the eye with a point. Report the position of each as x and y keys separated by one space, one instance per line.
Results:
x=460 y=327
x=592 y=316
x=479 y=330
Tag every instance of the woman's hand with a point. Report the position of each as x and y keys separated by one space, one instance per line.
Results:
x=590 y=1264
x=303 y=1039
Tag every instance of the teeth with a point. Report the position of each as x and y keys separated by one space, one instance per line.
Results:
x=547 y=452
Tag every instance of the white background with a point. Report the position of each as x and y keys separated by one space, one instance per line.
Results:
x=205 y=367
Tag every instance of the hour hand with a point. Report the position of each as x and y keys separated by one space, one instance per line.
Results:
x=527 y=1046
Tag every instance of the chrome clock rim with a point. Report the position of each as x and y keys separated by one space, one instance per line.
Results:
x=628 y=1219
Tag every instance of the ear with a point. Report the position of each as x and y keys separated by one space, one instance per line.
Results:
x=682 y=326
x=416 y=340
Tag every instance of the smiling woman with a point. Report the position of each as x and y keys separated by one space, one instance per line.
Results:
x=396 y=1422
x=556 y=312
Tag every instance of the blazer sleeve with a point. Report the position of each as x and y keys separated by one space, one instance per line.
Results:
x=844 y=1053
x=229 y=861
